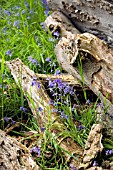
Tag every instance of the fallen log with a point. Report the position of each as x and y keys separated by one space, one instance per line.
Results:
x=93 y=16
x=96 y=59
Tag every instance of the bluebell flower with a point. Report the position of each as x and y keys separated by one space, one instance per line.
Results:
x=9 y=22
x=17 y=14
x=23 y=109
x=95 y=163
x=30 y=58
x=7 y=119
x=80 y=127
x=46 y=12
x=38 y=85
x=37 y=150
x=57 y=72
x=26 y=5
x=23 y=11
x=48 y=59
x=51 y=102
x=31 y=11
x=28 y=17
x=56 y=34
x=9 y=53
x=72 y=167
x=109 y=152
x=43 y=25
x=13 y=122
x=16 y=23
x=63 y=115
x=44 y=2
x=51 y=84
x=40 y=109
x=7 y=12
x=34 y=82
x=42 y=129
x=88 y=102
x=17 y=7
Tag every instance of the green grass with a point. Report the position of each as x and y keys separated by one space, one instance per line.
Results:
x=22 y=36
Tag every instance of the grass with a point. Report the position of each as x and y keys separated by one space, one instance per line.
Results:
x=22 y=35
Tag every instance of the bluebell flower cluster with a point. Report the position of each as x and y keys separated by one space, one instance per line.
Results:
x=23 y=109
x=34 y=61
x=35 y=83
x=9 y=119
x=36 y=150
x=109 y=152
x=43 y=129
x=44 y=2
x=63 y=115
x=72 y=167
x=9 y=53
x=59 y=85
x=95 y=163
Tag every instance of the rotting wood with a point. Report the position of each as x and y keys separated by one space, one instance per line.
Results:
x=69 y=79
x=96 y=64
x=23 y=76
x=14 y=155
x=93 y=16
x=93 y=146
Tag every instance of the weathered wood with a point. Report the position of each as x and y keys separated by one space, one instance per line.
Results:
x=14 y=155
x=97 y=67
x=96 y=63
x=93 y=146
x=93 y=16
x=69 y=79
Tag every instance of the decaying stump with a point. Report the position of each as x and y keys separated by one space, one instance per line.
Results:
x=14 y=155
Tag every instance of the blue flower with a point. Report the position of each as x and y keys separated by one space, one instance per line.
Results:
x=23 y=109
x=7 y=119
x=95 y=163
x=26 y=5
x=16 y=23
x=63 y=115
x=72 y=167
x=43 y=25
x=56 y=34
x=37 y=150
x=9 y=53
x=80 y=127
x=57 y=72
x=34 y=82
x=7 y=12
x=42 y=129
x=88 y=102
x=23 y=11
x=46 y=12
x=17 y=14
x=40 y=109
x=44 y=2
x=109 y=152
x=48 y=59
